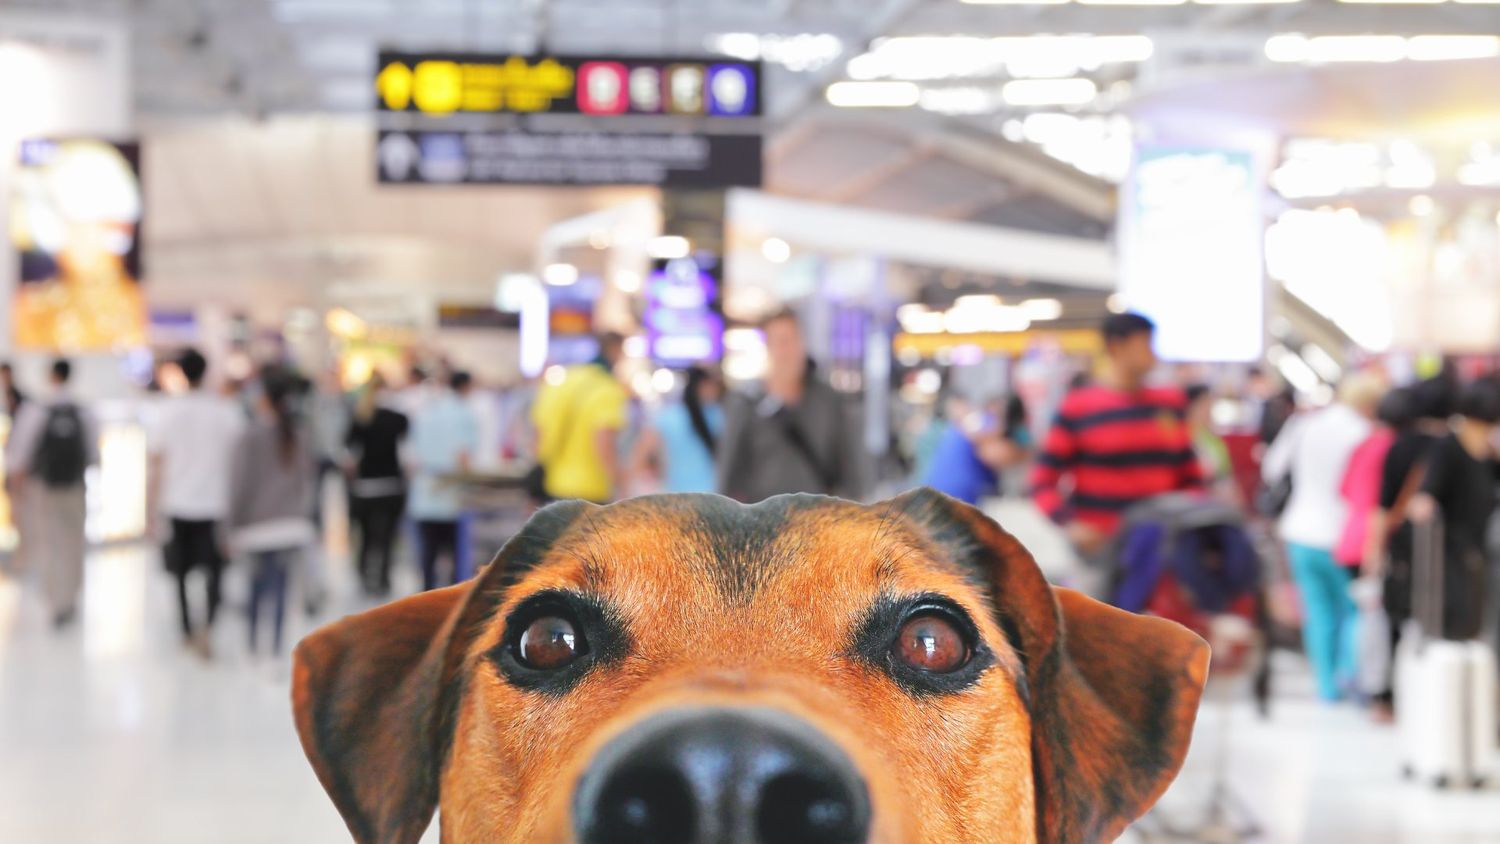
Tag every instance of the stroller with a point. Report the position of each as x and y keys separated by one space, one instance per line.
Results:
x=1192 y=560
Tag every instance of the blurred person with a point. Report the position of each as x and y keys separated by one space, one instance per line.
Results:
x=578 y=423
x=1213 y=454
x=1115 y=442
x=193 y=440
x=271 y=502
x=327 y=422
x=1458 y=493
x=54 y=442
x=14 y=398
x=1272 y=404
x=682 y=438
x=975 y=447
x=444 y=441
x=1363 y=534
x=796 y=434
x=1432 y=404
x=377 y=483
x=1314 y=451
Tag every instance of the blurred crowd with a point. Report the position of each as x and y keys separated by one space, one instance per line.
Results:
x=248 y=472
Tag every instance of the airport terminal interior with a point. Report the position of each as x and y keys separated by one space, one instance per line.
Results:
x=308 y=306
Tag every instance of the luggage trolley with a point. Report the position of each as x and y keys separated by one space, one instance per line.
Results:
x=1192 y=560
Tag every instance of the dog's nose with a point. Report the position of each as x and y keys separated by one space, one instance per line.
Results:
x=722 y=776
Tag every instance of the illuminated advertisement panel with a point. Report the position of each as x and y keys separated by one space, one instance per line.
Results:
x=683 y=318
x=1191 y=252
x=75 y=223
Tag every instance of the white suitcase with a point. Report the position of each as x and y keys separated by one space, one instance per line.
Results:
x=1446 y=692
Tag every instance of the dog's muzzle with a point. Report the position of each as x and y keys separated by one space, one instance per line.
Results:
x=722 y=776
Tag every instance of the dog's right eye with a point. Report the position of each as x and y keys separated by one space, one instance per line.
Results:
x=930 y=642
x=550 y=643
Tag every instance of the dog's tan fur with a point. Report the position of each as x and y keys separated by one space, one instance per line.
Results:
x=1075 y=730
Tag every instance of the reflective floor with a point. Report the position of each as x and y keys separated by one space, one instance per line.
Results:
x=112 y=734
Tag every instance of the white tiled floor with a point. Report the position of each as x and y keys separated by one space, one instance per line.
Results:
x=110 y=734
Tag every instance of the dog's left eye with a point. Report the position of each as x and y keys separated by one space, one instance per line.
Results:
x=549 y=643
x=932 y=642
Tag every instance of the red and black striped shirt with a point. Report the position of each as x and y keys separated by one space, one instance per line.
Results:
x=1110 y=449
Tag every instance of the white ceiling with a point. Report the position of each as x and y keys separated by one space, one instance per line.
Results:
x=272 y=212
x=255 y=114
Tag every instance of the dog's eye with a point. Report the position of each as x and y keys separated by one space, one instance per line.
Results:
x=931 y=642
x=549 y=643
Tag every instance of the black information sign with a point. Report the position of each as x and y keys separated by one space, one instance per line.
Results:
x=463 y=118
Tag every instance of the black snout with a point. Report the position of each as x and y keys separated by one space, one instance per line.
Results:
x=722 y=776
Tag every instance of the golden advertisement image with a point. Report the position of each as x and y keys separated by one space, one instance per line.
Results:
x=75 y=223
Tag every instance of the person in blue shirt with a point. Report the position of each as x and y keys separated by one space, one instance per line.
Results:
x=678 y=445
x=444 y=442
x=975 y=446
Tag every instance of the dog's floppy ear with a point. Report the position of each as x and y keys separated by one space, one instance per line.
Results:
x=1112 y=695
x=374 y=695
x=364 y=694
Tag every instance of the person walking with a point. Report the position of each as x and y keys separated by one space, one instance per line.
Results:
x=54 y=442
x=1315 y=451
x=444 y=441
x=794 y=435
x=578 y=422
x=16 y=563
x=1458 y=493
x=679 y=443
x=975 y=447
x=1115 y=443
x=1434 y=401
x=377 y=483
x=271 y=503
x=192 y=444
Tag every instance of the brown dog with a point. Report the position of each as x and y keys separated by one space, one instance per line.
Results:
x=689 y=670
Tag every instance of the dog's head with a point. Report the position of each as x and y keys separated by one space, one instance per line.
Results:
x=688 y=670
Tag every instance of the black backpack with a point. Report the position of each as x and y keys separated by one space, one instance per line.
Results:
x=62 y=454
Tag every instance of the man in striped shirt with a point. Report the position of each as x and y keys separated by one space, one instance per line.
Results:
x=1115 y=443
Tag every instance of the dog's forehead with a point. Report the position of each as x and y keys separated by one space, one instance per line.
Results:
x=709 y=547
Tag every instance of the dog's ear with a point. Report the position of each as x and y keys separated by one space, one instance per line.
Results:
x=374 y=695
x=1112 y=695
x=364 y=694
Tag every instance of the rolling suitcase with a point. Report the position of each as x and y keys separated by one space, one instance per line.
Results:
x=1446 y=691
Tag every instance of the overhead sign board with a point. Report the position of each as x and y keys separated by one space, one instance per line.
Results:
x=439 y=84
x=468 y=118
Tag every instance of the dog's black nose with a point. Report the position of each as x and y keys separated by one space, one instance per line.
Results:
x=722 y=776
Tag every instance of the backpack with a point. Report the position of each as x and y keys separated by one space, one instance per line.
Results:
x=62 y=454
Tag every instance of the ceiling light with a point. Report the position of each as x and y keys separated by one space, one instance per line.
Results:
x=1050 y=92
x=957 y=101
x=629 y=281
x=1393 y=2
x=1430 y=48
x=873 y=94
x=1336 y=48
x=663 y=380
x=1421 y=205
x=1014 y=2
x=776 y=250
x=1244 y=2
x=668 y=247
x=1132 y=2
x=1116 y=303
x=917 y=319
x=1042 y=310
x=560 y=275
